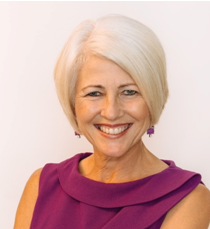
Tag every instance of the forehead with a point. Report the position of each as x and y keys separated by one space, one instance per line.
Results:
x=100 y=69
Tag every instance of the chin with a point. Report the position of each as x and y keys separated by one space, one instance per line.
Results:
x=115 y=153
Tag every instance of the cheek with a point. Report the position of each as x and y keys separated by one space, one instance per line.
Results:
x=85 y=110
x=139 y=110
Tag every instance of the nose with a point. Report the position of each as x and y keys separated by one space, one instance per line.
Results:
x=111 y=108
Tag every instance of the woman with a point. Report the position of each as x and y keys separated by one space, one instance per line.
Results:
x=111 y=82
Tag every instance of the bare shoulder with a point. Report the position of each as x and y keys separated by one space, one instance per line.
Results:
x=192 y=212
x=27 y=202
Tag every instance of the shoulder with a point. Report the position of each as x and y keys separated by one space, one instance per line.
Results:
x=191 y=212
x=27 y=202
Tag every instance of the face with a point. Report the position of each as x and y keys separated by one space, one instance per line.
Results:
x=110 y=111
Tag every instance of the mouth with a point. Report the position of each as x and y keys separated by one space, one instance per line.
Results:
x=113 y=130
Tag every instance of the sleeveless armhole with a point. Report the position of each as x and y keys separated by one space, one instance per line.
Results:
x=67 y=199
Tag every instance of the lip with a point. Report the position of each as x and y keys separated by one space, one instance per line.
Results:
x=112 y=125
x=107 y=135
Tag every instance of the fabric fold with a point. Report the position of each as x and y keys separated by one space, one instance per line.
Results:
x=66 y=199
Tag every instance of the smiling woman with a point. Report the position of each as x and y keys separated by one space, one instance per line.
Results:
x=128 y=43
x=111 y=82
x=110 y=110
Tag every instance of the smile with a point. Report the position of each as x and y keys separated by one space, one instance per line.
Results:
x=114 y=131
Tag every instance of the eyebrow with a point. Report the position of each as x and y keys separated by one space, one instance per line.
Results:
x=93 y=85
x=100 y=86
x=128 y=84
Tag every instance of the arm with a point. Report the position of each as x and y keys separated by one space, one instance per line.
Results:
x=27 y=202
x=193 y=212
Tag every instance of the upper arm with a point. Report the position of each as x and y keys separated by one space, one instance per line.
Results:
x=192 y=212
x=27 y=202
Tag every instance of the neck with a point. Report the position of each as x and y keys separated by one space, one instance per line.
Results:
x=131 y=166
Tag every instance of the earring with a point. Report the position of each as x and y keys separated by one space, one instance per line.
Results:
x=78 y=135
x=151 y=131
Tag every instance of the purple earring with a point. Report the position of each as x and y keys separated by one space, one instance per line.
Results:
x=151 y=131
x=76 y=134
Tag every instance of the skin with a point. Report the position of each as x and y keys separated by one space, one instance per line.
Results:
x=107 y=96
x=27 y=202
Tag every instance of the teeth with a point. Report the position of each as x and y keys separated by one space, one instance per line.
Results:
x=116 y=130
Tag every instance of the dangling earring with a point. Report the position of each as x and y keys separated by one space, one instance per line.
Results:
x=151 y=131
x=76 y=134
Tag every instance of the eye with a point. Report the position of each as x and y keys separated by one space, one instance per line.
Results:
x=94 y=94
x=129 y=92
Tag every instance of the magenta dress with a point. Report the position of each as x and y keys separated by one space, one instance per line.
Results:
x=68 y=200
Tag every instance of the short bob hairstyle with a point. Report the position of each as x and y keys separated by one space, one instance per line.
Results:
x=128 y=43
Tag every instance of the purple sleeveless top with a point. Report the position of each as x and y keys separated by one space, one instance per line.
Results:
x=68 y=200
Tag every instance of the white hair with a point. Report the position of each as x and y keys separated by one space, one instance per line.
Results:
x=128 y=43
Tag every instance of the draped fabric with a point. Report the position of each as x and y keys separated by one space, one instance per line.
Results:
x=67 y=199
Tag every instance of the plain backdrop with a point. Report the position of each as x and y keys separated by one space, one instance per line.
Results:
x=33 y=127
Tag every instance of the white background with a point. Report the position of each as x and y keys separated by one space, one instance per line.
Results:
x=33 y=128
